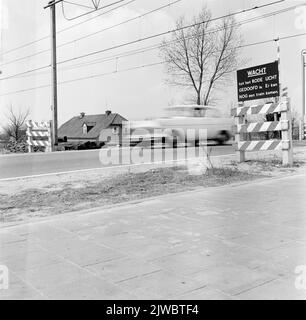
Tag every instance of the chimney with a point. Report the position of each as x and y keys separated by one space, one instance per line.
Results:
x=108 y=112
x=82 y=115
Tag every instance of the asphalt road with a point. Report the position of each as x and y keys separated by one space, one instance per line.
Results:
x=26 y=165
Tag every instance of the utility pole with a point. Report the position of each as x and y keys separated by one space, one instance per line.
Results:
x=54 y=100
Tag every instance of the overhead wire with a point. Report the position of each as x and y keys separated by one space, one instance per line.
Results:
x=87 y=13
x=142 y=66
x=91 y=34
x=153 y=47
x=65 y=29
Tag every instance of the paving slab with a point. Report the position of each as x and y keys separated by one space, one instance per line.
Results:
x=20 y=290
x=233 y=242
x=274 y=290
x=161 y=284
x=89 y=288
x=123 y=269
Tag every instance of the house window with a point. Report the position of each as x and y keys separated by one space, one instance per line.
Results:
x=85 y=131
x=115 y=130
x=87 y=128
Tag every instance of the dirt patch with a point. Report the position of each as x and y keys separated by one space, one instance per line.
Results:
x=121 y=188
x=272 y=167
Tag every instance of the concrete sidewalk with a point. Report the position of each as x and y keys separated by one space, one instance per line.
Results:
x=234 y=242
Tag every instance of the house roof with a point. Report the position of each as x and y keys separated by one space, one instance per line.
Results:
x=74 y=127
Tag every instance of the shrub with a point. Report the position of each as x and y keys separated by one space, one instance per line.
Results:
x=14 y=146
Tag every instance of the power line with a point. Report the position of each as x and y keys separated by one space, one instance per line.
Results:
x=78 y=4
x=24 y=57
x=171 y=31
x=153 y=47
x=96 y=3
x=87 y=13
x=143 y=66
x=97 y=16
x=25 y=72
x=167 y=32
x=65 y=29
x=79 y=65
x=121 y=23
x=113 y=72
x=92 y=34
x=142 y=50
x=83 y=78
x=152 y=36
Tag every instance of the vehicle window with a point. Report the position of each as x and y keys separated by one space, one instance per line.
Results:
x=199 y=112
x=212 y=113
x=185 y=112
x=192 y=112
x=178 y=112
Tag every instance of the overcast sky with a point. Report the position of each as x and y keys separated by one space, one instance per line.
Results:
x=140 y=93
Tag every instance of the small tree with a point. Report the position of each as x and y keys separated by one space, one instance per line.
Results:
x=203 y=56
x=16 y=120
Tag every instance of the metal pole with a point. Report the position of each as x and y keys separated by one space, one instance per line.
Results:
x=279 y=75
x=304 y=82
x=51 y=3
x=304 y=94
x=54 y=77
x=279 y=66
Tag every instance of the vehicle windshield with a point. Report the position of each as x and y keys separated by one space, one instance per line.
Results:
x=194 y=112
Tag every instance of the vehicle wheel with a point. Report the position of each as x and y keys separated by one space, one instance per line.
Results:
x=171 y=141
x=174 y=143
x=186 y=142
x=223 y=137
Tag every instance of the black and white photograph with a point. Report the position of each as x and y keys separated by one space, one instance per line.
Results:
x=152 y=153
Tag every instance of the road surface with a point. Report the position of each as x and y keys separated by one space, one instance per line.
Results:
x=25 y=165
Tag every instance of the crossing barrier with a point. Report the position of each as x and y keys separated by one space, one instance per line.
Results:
x=284 y=125
x=39 y=135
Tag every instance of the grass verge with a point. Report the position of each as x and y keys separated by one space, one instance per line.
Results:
x=120 y=189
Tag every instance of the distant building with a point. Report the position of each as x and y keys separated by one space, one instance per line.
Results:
x=105 y=128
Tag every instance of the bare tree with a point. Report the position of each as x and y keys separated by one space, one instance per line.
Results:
x=204 y=56
x=16 y=121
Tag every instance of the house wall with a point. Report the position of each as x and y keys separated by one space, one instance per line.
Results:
x=107 y=134
x=71 y=140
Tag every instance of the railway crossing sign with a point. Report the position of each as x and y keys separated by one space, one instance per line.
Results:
x=284 y=125
x=258 y=82
x=39 y=135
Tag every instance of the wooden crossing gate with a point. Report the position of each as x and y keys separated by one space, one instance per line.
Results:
x=39 y=135
x=284 y=125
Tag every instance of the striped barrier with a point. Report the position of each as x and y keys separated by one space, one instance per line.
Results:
x=39 y=135
x=284 y=125
x=260 y=145
x=262 y=127
x=267 y=108
x=38 y=125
